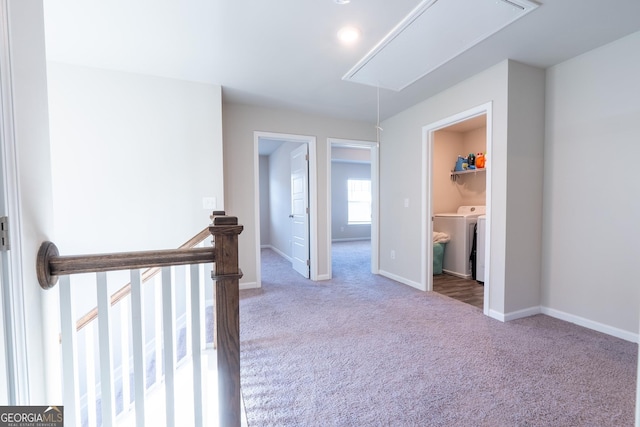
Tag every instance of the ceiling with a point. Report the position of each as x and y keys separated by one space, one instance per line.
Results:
x=284 y=53
x=468 y=125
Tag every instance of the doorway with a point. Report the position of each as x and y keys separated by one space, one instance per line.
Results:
x=275 y=221
x=461 y=121
x=359 y=154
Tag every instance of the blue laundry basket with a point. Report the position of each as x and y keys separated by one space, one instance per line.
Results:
x=438 y=256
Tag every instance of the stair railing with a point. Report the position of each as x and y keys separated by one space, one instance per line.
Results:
x=226 y=274
x=147 y=275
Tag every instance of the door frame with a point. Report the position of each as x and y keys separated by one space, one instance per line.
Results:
x=375 y=194
x=313 y=196
x=14 y=331
x=428 y=132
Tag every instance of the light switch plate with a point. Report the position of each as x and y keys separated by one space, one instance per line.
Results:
x=209 y=203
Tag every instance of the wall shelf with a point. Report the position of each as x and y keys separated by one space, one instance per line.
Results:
x=454 y=174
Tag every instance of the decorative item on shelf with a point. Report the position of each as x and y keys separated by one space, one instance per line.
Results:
x=463 y=166
x=471 y=160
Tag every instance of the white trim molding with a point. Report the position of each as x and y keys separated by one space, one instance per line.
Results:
x=401 y=279
x=591 y=324
x=279 y=252
x=12 y=280
x=313 y=196
x=375 y=209
x=518 y=314
x=567 y=317
x=427 y=191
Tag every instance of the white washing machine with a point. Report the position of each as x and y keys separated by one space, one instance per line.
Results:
x=460 y=228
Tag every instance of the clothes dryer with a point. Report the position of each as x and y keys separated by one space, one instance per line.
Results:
x=460 y=228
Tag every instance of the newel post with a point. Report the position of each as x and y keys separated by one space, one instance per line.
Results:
x=225 y=231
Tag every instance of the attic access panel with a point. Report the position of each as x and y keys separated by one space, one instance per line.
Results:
x=435 y=32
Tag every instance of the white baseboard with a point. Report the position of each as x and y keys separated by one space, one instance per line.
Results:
x=455 y=273
x=567 y=317
x=249 y=285
x=350 y=239
x=323 y=277
x=519 y=314
x=279 y=252
x=401 y=279
x=590 y=324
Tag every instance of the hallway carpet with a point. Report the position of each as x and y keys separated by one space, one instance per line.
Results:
x=362 y=350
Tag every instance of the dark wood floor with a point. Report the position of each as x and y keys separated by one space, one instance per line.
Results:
x=464 y=290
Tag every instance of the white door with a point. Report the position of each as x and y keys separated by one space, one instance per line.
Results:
x=300 y=210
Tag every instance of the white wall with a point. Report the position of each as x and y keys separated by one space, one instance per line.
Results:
x=265 y=205
x=239 y=123
x=401 y=168
x=524 y=181
x=133 y=156
x=26 y=30
x=280 y=198
x=591 y=204
x=351 y=154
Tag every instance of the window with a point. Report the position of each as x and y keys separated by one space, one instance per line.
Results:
x=359 y=201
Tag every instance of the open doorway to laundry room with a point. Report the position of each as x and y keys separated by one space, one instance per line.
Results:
x=352 y=208
x=457 y=200
x=286 y=200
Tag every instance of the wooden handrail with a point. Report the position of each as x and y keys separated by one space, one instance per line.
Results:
x=50 y=264
x=146 y=275
x=63 y=265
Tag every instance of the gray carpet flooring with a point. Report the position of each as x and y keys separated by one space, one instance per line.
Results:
x=362 y=350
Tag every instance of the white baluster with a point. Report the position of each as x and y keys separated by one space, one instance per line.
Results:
x=124 y=345
x=90 y=356
x=106 y=362
x=180 y=303
x=208 y=296
x=157 y=315
x=137 y=327
x=188 y=312
x=69 y=356
x=168 y=326
x=196 y=344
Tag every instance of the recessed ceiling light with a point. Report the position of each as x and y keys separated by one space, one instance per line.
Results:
x=342 y=1
x=348 y=35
